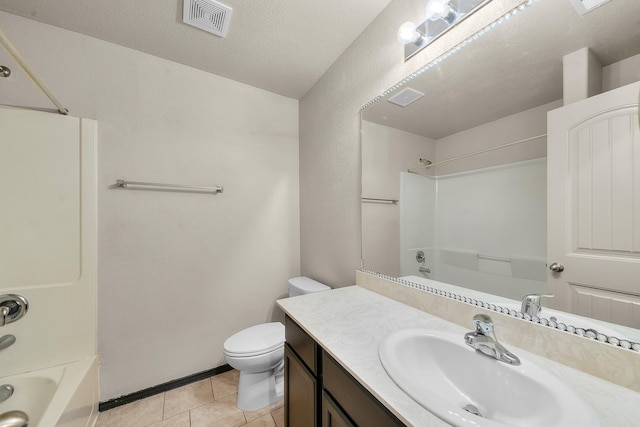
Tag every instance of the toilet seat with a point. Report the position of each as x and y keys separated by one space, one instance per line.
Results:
x=256 y=340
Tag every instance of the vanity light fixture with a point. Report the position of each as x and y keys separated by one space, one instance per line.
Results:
x=441 y=9
x=441 y=15
x=473 y=37
x=408 y=33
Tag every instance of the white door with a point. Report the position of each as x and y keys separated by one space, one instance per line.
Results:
x=593 y=222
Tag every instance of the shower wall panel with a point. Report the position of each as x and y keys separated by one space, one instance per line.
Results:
x=48 y=244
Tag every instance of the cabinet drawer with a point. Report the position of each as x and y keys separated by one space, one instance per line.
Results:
x=354 y=400
x=302 y=344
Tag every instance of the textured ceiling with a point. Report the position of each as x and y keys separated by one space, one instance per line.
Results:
x=283 y=46
x=514 y=67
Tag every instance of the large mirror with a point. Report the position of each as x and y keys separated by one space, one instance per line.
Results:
x=455 y=184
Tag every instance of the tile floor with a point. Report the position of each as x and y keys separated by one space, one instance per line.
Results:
x=206 y=403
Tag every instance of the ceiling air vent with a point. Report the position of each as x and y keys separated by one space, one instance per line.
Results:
x=406 y=97
x=586 y=6
x=207 y=15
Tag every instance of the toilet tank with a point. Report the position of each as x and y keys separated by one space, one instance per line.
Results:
x=304 y=285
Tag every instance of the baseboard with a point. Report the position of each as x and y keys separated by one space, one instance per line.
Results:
x=161 y=388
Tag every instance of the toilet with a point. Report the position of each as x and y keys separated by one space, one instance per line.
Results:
x=258 y=353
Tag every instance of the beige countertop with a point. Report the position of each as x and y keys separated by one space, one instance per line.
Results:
x=349 y=323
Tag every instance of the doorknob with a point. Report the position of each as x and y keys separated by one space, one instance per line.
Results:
x=556 y=268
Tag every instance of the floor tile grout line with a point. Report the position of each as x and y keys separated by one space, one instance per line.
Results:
x=213 y=395
x=164 y=403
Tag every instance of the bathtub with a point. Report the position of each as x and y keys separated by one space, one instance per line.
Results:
x=61 y=396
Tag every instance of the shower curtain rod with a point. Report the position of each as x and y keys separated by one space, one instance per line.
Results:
x=4 y=40
x=497 y=147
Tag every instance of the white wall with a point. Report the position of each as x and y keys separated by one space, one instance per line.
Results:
x=386 y=153
x=526 y=124
x=178 y=272
x=621 y=73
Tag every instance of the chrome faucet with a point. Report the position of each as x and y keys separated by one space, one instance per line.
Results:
x=483 y=339
x=6 y=391
x=12 y=308
x=531 y=304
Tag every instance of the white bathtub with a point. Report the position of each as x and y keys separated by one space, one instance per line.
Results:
x=61 y=396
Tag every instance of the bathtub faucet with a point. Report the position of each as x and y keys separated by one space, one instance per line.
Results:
x=7 y=341
x=14 y=419
x=12 y=308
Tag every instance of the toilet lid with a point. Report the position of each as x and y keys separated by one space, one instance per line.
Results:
x=255 y=340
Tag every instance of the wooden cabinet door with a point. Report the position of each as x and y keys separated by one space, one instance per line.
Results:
x=593 y=205
x=332 y=415
x=355 y=401
x=300 y=392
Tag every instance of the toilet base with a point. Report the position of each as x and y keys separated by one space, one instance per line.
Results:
x=259 y=389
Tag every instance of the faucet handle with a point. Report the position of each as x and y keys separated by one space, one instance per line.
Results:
x=483 y=325
x=536 y=297
x=12 y=308
x=483 y=339
x=4 y=313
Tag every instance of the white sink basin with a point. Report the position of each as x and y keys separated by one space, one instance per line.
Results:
x=569 y=319
x=444 y=375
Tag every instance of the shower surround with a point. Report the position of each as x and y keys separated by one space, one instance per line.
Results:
x=48 y=255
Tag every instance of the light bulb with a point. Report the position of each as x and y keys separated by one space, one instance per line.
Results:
x=440 y=9
x=408 y=33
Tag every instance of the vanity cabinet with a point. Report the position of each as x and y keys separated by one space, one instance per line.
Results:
x=302 y=386
x=319 y=392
